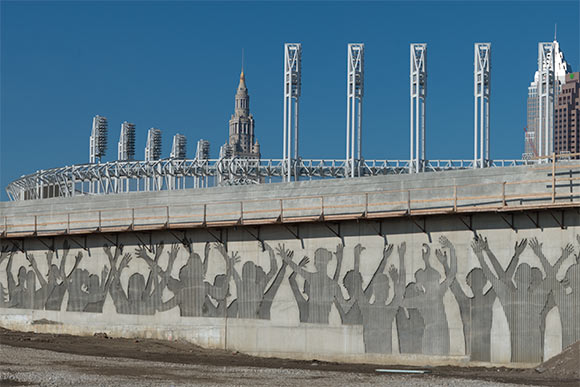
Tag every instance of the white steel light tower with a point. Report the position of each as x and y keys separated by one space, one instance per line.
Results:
x=126 y=146
x=292 y=86
x=546 y=94
x=418 y=83
x=98 y=140
x=178 y=151
x=152 y=153
x=125 y=152
x=97 y=146
x=354 y=98
x=481 y=93
x=202 y=153
x=179 y=147
x=153 y=146
x=226 y=151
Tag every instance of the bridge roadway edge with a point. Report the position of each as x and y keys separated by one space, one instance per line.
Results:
x=466 y=191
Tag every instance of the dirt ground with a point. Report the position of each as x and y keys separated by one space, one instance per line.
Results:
x=563 y=370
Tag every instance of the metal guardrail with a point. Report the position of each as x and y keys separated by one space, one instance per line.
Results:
x=170 y=174
x=526 y=195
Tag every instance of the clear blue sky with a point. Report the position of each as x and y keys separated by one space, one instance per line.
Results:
x=175 y=66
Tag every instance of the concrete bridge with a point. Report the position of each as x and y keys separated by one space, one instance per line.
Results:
x=469 y=266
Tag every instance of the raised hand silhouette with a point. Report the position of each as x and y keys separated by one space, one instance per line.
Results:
x=565 y=292
x=522 y=302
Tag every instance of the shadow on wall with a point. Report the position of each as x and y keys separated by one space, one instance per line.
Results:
x=416 y=309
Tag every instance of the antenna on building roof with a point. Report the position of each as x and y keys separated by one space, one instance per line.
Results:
x=555 y=30
x=242 y=59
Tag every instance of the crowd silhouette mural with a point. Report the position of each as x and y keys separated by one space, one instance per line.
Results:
x=413 y=305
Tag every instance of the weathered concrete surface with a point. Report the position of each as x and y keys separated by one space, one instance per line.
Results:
x=483 y=288
x=133 y=309
x=381 y=195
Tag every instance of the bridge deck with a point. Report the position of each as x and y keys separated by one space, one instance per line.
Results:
x=500 y=190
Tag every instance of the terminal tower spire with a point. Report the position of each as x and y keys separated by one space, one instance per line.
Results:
x=241 y=141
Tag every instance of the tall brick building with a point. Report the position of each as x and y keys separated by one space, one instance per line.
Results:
x=567 y=116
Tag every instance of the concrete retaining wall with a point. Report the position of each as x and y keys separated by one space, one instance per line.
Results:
x=482 y=286
x=410 y=309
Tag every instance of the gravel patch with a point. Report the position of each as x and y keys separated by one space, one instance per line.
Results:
x=34 y=367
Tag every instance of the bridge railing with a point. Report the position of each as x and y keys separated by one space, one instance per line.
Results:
x=558 y=189
x=170 y=174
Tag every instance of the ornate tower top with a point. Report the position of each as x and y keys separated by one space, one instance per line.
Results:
x=241 y=140
x=242 y=107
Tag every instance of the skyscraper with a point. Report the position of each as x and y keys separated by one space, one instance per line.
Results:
x=566 y=125
x=560 y=69
x=241 y=141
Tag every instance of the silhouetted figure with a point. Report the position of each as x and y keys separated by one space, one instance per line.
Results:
x=429 y=302
x=57 y=279
x=99 y=288
x=39 y=296
x=142 y=297
x=5 y=253
x=521 y=303
x=377 y=315
x=191 y=289
x=53 y=288
x=571 y=283
x=35 y=296
x=301 y=300
x=410 y=324
x=266 y=304
x=564 y=293
x=77 y=285
x=353 y=284
x=476 y=311
x=21 y=295
x=324 y=291
x=253 y=300
x=221 y=283
x=47 y=286
x=4 y=297
x=221 y=308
